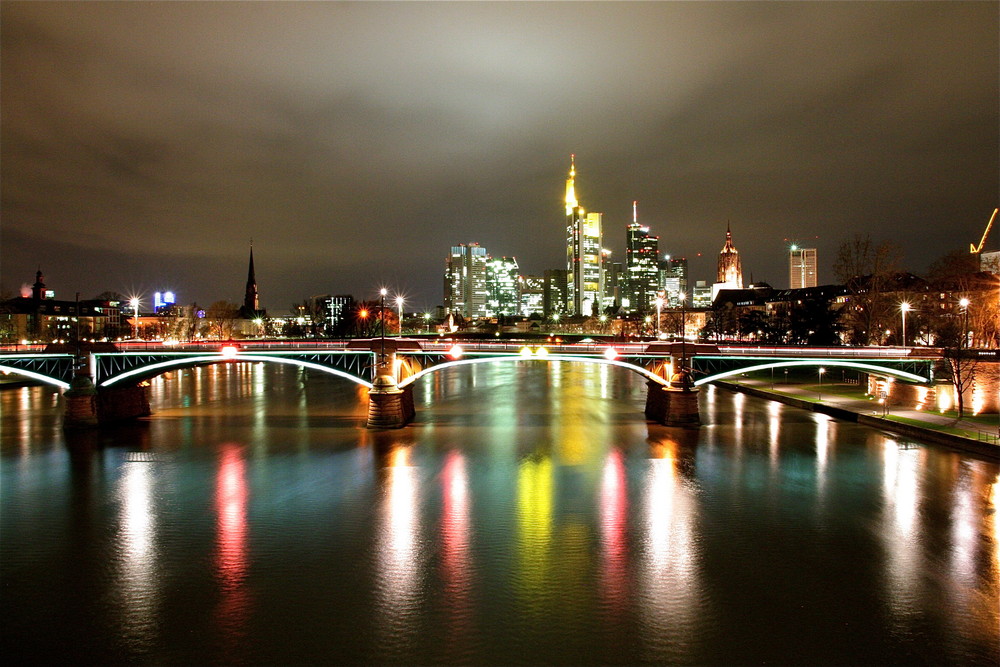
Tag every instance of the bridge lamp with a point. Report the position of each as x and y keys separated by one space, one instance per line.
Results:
x=820 y=392
x=611 y=354
x=525 y=351
x=541 y=352
x=904 y=308
x=456 y=351
x=134 y=302
x=229 y=351
x=399 y=305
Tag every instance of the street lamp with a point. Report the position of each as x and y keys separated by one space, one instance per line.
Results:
x=382 y=292
x=683 y=297
x=135 y=311
x=964 y=303
x=659 y=306
x=399 y=305
x=820 y=392
x=904 y=308
x=427 y=322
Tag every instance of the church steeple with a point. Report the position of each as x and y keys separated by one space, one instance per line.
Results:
x=251 y=302
x=730 y=268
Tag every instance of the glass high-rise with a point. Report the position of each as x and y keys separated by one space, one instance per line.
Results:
x=584 y=277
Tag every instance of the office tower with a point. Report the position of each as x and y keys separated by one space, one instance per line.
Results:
x=531 y=293
x=641 y=266
x=583 y=253
x=673 y=279
x=556 y=295
x=801 y=267
x=730 y=272
x=614 y=278
x=465 y=291
x=502 y=286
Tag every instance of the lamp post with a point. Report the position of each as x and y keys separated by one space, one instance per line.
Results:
x=904 y=308
x=659 y=307
x=427 y=322
x=381 y=310
x=964 y=303
x=820 y=392
x=683 y=297
x=135 y=312
x=399 y=305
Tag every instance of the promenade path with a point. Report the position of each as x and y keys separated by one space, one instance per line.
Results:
x=845 y=397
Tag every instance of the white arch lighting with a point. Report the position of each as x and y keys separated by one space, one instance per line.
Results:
x=874 y=370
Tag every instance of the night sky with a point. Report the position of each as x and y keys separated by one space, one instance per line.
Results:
x=144 y=144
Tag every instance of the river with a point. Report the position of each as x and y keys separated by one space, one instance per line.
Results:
x=529 y=516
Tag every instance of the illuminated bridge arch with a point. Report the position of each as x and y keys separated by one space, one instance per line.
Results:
x=152 y=365
x=871 y=368
x=512 y=357
x=35 y=375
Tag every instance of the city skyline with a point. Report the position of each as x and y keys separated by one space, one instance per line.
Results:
x=143 y=144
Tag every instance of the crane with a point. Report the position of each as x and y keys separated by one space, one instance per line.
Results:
x=982 y=242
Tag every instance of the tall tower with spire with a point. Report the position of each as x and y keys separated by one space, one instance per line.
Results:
x=730 y=270
x=641 y=267
x=584 y=275
x=251 y=300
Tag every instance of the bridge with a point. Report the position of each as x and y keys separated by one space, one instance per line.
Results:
x=388 y=367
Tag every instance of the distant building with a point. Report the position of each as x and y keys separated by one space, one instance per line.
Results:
x=41 y=317
x=674 y=279
x=801 y=267
x=614 y=282
x=583 y=253
x=502 y=285
x=701 y=295
x=730 y=270
x=251 y=310
x=465 y=289
x=532 y=295
x=641 y=266
x=556 y=291
x=334 y=312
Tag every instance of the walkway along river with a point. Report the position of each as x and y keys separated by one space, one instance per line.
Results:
x=529 y=516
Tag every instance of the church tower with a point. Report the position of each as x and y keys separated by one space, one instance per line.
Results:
x=251 y=302
x=730 y=271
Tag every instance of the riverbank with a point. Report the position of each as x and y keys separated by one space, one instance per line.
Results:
x=964 y=435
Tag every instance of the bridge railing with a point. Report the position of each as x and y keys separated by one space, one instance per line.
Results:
x=834 y=352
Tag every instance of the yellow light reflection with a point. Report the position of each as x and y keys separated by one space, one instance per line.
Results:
x=399 y=558
x=534 y=530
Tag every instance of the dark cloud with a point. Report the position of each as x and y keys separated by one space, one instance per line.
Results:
x=143 y=144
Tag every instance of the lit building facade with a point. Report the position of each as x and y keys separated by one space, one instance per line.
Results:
x=730 y=270
x=465 y=289
x=556 y=293
x=502 y=284
x=641 y=267
x=674 y=279
x=584 y=275
x=531 y=291
x=801 y=267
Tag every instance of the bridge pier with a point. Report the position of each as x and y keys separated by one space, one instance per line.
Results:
x=675 y=405
x=388 y=405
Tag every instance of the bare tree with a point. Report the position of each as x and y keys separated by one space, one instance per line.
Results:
x=868 y=270
x=222 y=316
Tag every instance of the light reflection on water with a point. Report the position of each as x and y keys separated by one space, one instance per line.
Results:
x=529 y=516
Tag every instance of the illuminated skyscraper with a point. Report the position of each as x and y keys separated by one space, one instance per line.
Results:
x=641 y=267
x=502 y=286
x=584 y=277
x=465 y=290
x=801 y=267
